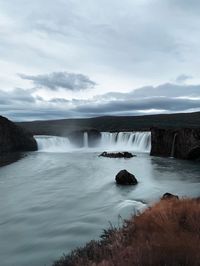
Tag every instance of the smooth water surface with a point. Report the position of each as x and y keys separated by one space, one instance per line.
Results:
x=51 y=203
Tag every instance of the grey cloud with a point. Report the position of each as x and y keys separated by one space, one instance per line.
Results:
x=166 y=90
x=59 y=100
x=169 y=90
x=20 y=104
x=17 y=95
x=158 y=103
x=64 y=80
x=166 y=97
x=56 y=111
x=182 y=78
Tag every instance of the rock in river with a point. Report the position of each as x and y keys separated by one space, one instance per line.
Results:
x=168 y=196
x=125 y=178
x=124 y=154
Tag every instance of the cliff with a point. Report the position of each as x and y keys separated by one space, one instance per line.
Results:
x=180 y=143
x=77 y=137
x=14 y=138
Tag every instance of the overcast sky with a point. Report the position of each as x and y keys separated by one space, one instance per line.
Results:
x=75 y=58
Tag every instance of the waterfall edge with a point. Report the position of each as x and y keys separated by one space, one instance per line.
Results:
x=117 y=141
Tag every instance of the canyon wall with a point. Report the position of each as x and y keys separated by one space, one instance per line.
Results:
x=180 y=143
x=14 y=138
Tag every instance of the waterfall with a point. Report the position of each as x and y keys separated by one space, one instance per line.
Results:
x=53 y=144
x=173 y=145
x=122 y=141
x=135 y=141
x=85 y=140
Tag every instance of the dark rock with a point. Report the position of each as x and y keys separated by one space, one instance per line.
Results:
x=94 y=137
x=125 y=178
x=14 y=138
x=10 y=157
x=117 y=154
x=168 y=196
x=77 y=137
x=181 y=143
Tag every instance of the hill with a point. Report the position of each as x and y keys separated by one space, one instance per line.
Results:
x=113 y=123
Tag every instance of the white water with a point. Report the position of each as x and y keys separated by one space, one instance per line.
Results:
x=85 y=140
x=123 y=141
x=135 y=141
x=173 y=145
x=53 y=144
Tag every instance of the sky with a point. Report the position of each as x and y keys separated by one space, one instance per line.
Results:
x=75 y=58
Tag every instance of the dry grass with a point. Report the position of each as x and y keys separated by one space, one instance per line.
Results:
x=167 y=234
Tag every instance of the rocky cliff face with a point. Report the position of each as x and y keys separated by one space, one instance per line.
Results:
x=13 y=138
x=77 y=137
x=181 y=143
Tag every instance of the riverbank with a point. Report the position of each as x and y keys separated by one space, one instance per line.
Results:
x=166 y=234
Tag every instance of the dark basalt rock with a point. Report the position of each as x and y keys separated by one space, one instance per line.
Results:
x=117 y=154
x=10 y=157
x=168 y=196
x=181 y=143
x=14 y=138
x=76 y=137
x=125 y=178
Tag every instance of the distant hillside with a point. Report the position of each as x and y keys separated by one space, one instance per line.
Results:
x=113 y=123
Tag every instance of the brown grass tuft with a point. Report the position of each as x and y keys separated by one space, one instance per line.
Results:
x=167 y=234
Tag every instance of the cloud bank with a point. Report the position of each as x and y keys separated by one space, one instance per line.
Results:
x=20 y=104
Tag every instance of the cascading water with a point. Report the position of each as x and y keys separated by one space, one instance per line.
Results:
x=173 y=145
x=135 y=141
x=53 y=144
x=122 y=141
x=85 y=140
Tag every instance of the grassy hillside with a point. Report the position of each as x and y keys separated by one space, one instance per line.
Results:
x=113 y=123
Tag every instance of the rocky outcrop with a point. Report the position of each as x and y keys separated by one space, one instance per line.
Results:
x=11 y=157
x=77 y=137
x=168 y=196
x=124 y=154
x=15 y=139
x=181 y=143
x=125 y=178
